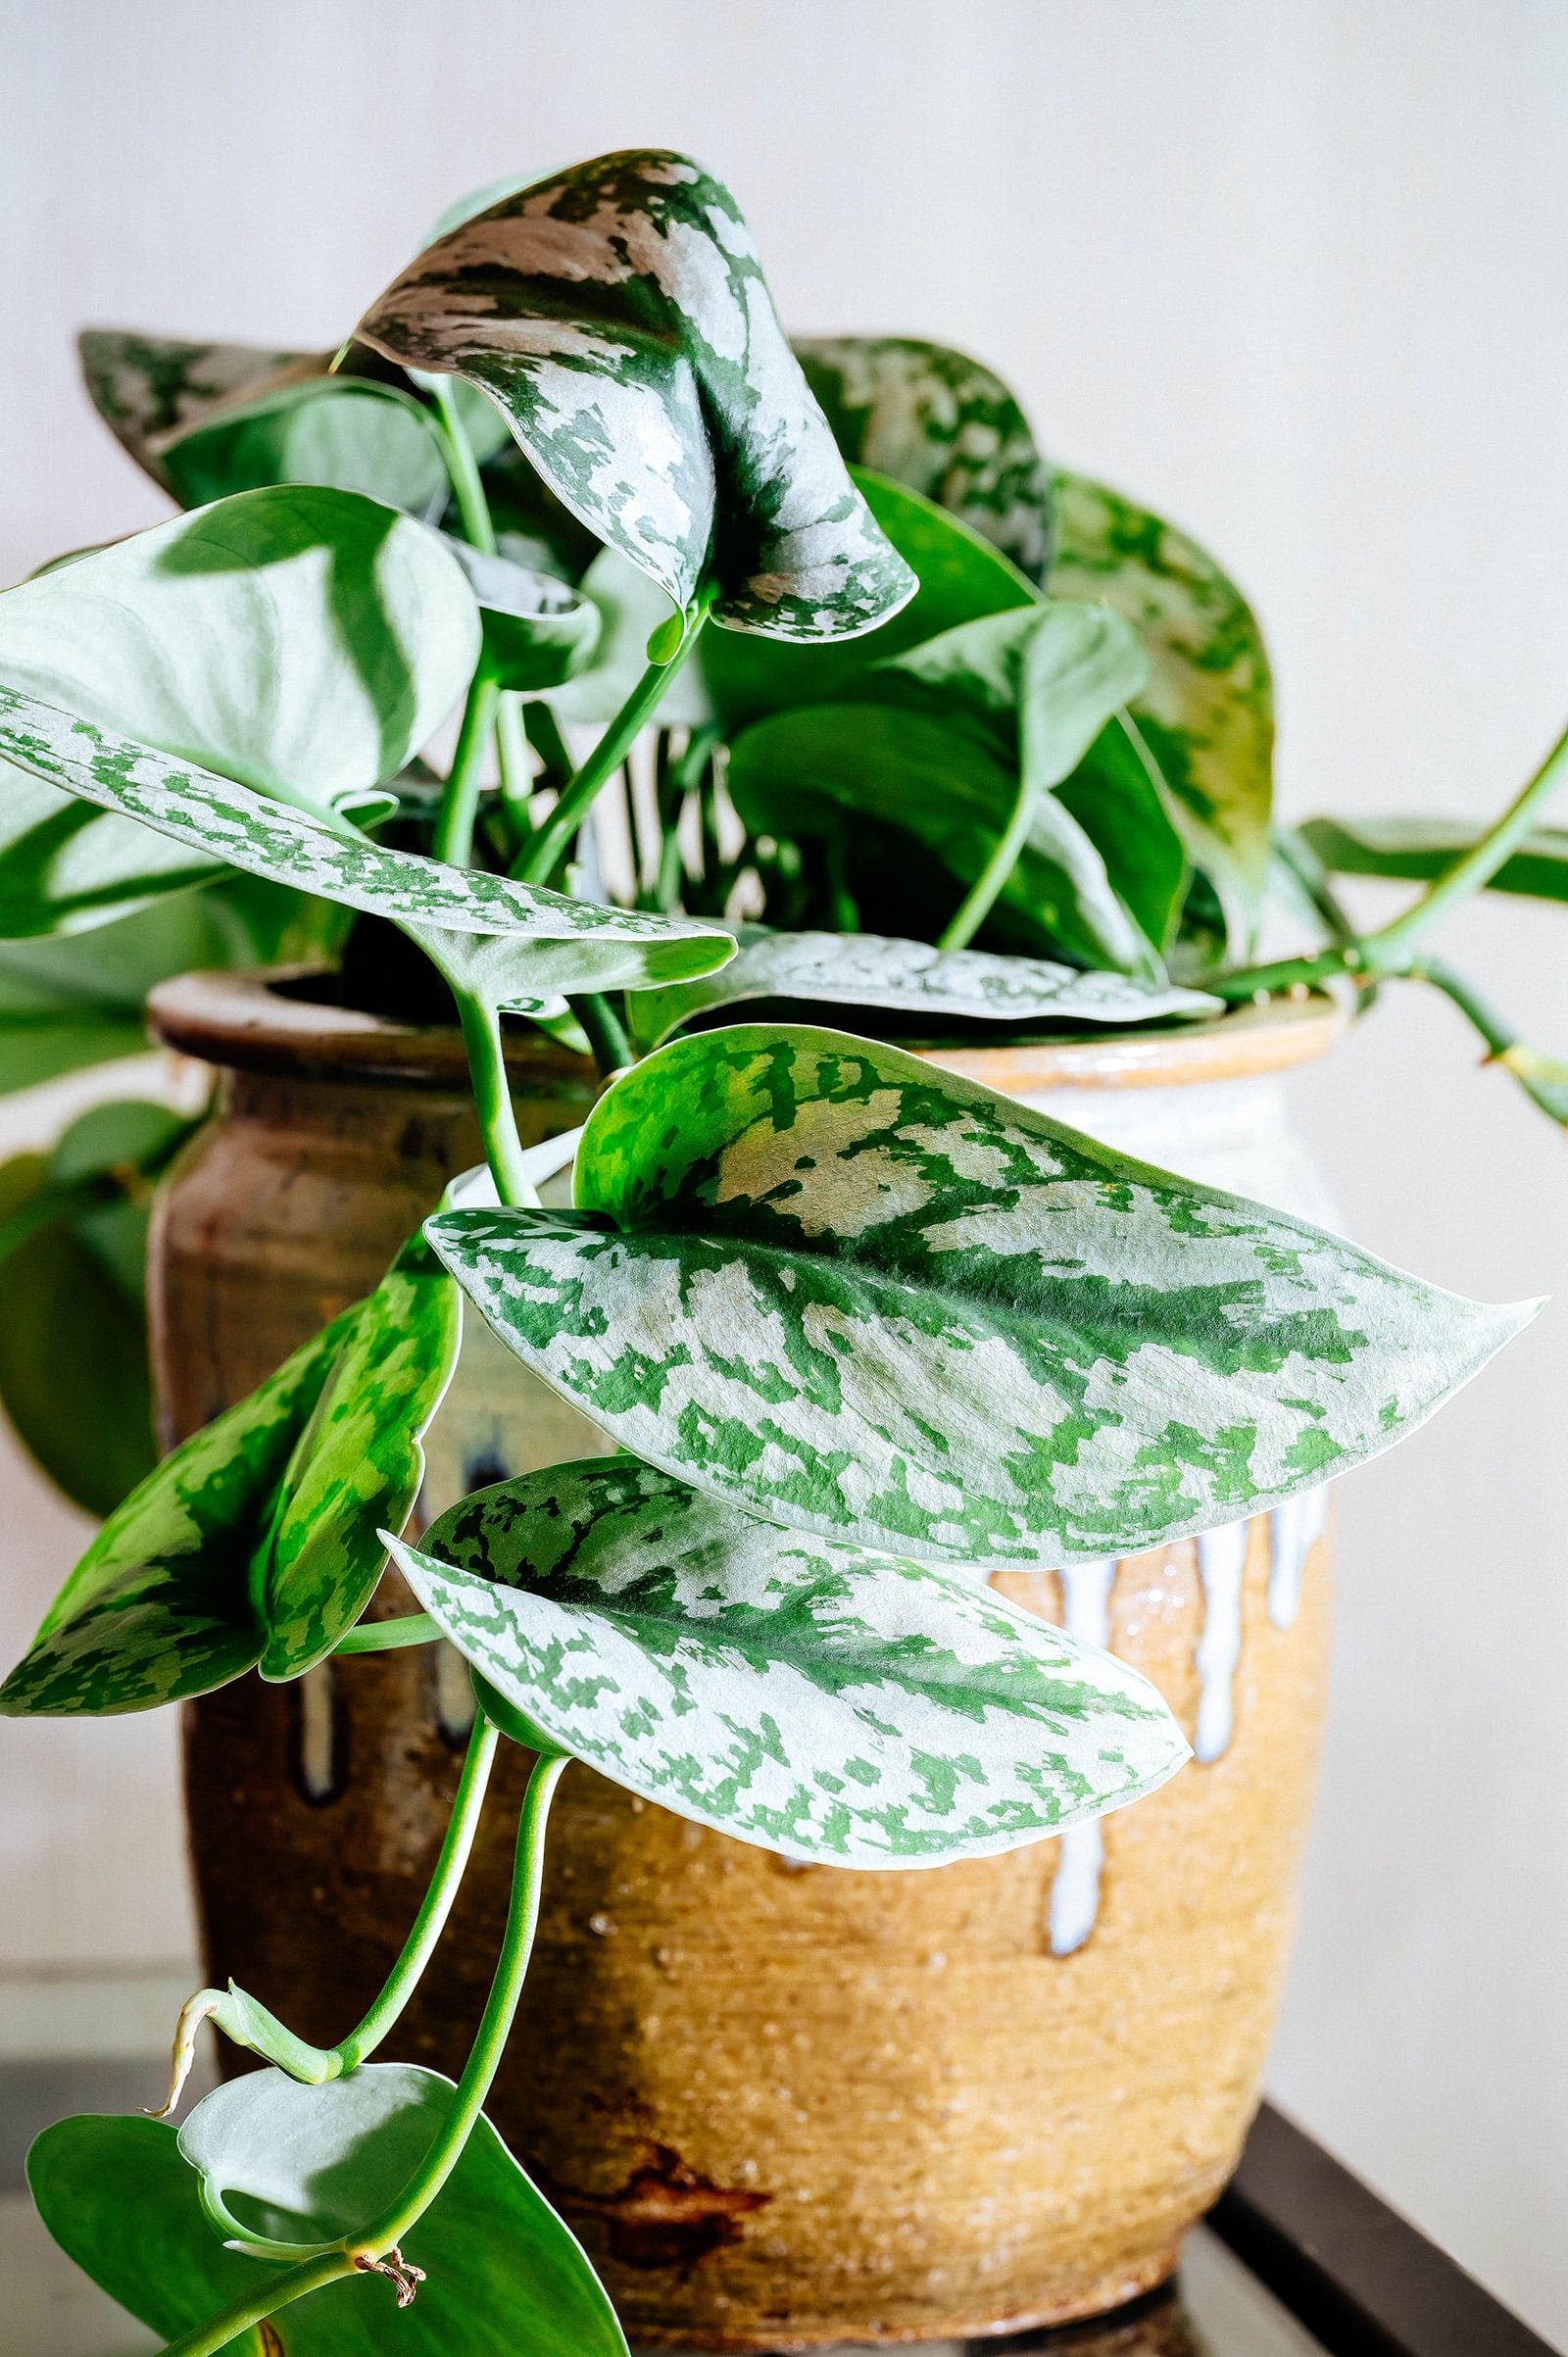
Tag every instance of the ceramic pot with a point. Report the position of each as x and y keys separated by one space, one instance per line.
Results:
x=782 y=2105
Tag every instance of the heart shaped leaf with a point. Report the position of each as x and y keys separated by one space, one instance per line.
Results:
x=312 y=2164
x=860 y=1296
x=1420 y=850
x=619 y=315
x=939 y=422
x=145 y=387
x=538 y=630
x=351 y=433
x=820 y=1701
x=927 y=991
x=512 y=943
x=159 y=1607
x=1207 y=712
x=357 y=1463
x=502 y=2269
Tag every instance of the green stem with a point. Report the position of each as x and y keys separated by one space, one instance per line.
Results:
x=553 y=839
x=606 y=1036
x=981 y=897
x=389 y=1636
x=479 y=531
x=517 y=1943
x=1500 y=1036
x=544 y=735
x=276 y=2291
x=492 y=1097
x=1288 y=973
x=459 y=796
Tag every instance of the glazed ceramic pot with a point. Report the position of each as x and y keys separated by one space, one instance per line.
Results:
x=782 y=2105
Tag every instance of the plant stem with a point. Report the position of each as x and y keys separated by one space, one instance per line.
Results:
x=492 y=1097
x=982 y=895
x=1499 y=1036
x=276 y=2291
x=388 y=1636
x=1286 y=973
x=553 y=839
x=459 y=796
x=479 y=531
x=607 y=1037
x=517 y=1943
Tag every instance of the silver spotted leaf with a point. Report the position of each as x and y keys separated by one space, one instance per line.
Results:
x=1207 y=712
x=941 y=423
x=512 y=944
x=160 y=1605
x=927 y=991
x=822 y=1702
x=147 y=387
x=865 y=1296
x=618 y=314
x=503 y=2273
x=358 y=1464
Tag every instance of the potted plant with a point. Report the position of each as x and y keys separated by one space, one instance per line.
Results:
x=986 y=752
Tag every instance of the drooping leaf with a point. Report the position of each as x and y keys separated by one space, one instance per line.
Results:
x=538 y=632
x=358 y=1464
x=349 y=433
x=1207 y=712
x=1420 y=850
x=944 y=424
x=1118 y=798
x=820 y=1701
x=503 y=2273
x=159 y=1607
x=926 y=990
x=814 y=1275
x=512 y=943
x=145 y=386
x=619 y=315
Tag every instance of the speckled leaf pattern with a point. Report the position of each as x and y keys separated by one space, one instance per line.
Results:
x=944 y=424
x=358 y=1465
x=619 y=315
x=822 y=1702
x=145 y=387
x=928 y=989
x=159 y=1607
x=1207 y=714
x=504 y=2274
x=552 y=943
x=863 y=1297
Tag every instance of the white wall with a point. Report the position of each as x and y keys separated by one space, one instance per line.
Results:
x=1293 y=271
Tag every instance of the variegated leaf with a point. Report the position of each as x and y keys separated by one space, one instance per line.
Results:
x=1207 y=712
x=944 y=424
x=510 y=943
x=349 y=433
x=928 y=991
x=818 y=1701
x=358 y=1464
x=160 y=1605
x=619 y=315
x=863 y=1297
x=146 y=387
x=538 y=630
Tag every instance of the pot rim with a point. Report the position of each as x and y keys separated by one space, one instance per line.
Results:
x=245 y=1021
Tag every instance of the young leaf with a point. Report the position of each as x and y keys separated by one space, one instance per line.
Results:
x=1420 y=850
x=619 y=315
x=939 y=422
x=351 y=433
x=159 y=1607
x=515 y=942
x=926 y=990
x=502 y=2271
x=1207 y=714
x=814 y=1275
x=538 y=632
x=145 y=386
x=823 y=1702
x=357 y=1463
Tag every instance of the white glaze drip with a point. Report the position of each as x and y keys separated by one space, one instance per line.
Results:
x=1294 y=1529
x=455 y=1705
x=1221 y=1561
x=318 y=1743
x=1075 y=1886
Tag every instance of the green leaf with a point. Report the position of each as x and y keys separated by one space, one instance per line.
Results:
x=538 y=632
x=503 y=2272
x=939 y=422
x=146 y=386
x=1207 y=714
x=358 y=1464
x=929 y=992
x=159 y=1607
x=619 y=315
x=349 y=433
x=814 y=1275
x=1120 y=799
x=825 y=1703
x=312 y=2164
x=512 y=943
x=1419 y=850
x=961 y=577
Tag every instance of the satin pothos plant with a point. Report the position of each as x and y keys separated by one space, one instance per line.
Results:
x=856 y=1324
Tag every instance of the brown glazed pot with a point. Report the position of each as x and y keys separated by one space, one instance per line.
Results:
x=781 y=2106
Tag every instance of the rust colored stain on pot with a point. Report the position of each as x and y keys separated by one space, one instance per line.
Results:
x=785 y=2108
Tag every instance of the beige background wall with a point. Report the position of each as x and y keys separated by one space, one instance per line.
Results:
x=1294 y=272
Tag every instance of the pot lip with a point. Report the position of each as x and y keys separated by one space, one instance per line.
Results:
x=244 y=1021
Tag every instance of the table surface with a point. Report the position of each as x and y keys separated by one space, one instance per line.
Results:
x=1299 y=2260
